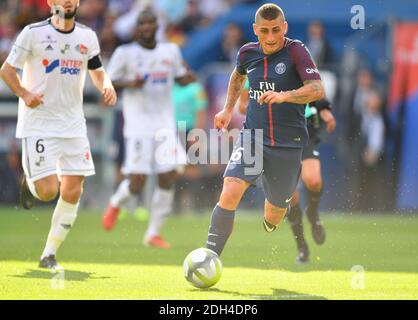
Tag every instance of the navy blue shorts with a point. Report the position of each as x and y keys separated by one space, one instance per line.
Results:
x=311 y=151
x=279 y=169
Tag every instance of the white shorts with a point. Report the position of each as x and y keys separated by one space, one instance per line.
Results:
x=42 y=157
x=159 y=154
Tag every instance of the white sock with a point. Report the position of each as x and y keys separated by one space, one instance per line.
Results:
x=32 y=188
x=62 y=220
x=161 y=205
x=122 y=194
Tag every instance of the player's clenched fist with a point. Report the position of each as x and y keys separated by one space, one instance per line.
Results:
x=272 y=97
x=109 y=96
x=222 y=119
x=33 y=100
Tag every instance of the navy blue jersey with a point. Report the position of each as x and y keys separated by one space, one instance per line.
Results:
x=284 y=125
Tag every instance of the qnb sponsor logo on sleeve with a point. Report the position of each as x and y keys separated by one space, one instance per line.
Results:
x=312 y=70
x=71 y=67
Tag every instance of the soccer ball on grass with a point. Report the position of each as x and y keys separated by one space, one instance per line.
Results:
x=202 y=268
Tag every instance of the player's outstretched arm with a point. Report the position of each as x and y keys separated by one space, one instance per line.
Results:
x=138 y=83
x=243 y=102
x=235 y=87
x=311 y=90
x=103 y=83
x=9 y=75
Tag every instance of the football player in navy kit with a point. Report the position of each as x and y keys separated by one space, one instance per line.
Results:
x=317 y=112
x=283 y=79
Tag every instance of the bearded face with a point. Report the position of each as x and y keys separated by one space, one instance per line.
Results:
x=64 y=8
x=70 y=14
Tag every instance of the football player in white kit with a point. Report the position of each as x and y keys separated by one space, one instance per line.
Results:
x=146 y=70
x=55 y=55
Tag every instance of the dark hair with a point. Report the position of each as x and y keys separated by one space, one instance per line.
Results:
x=147 y=13
x=269 y=11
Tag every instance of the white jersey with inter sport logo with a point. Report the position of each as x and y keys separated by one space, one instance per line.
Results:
x=148 y=109
x=54 y=63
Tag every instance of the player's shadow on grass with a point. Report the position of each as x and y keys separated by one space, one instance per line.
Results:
x=68 y=275
x=277 y=294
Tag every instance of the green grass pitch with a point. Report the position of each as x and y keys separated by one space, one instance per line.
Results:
x=115 y=265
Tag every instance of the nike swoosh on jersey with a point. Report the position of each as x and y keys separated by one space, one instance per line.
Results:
x=288 y=200
x=250 y=70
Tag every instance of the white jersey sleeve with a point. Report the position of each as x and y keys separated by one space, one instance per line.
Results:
x=179 y=67
x=21 y=49
x=94 y=46
x=116 y=68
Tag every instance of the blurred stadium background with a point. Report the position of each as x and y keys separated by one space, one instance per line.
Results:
x=354 y=63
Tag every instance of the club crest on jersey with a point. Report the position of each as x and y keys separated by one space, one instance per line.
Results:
x=81 y=48
x=71 y=67
x=280 y=68
x=65 y=48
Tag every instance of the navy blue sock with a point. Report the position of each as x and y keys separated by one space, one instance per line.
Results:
x=220 y=229
x=313 y=204
x=295 y=219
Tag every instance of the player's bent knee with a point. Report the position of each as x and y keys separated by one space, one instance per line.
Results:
x=273 y=213
x=275 y=210
x=72 y=194
x=313 y=184
x=46 y=192
x=228 y=202
x=166 y=180
x=135 y=187
x=166 y=185
x=47 y=188
x=136 y=183
x=231 y=196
